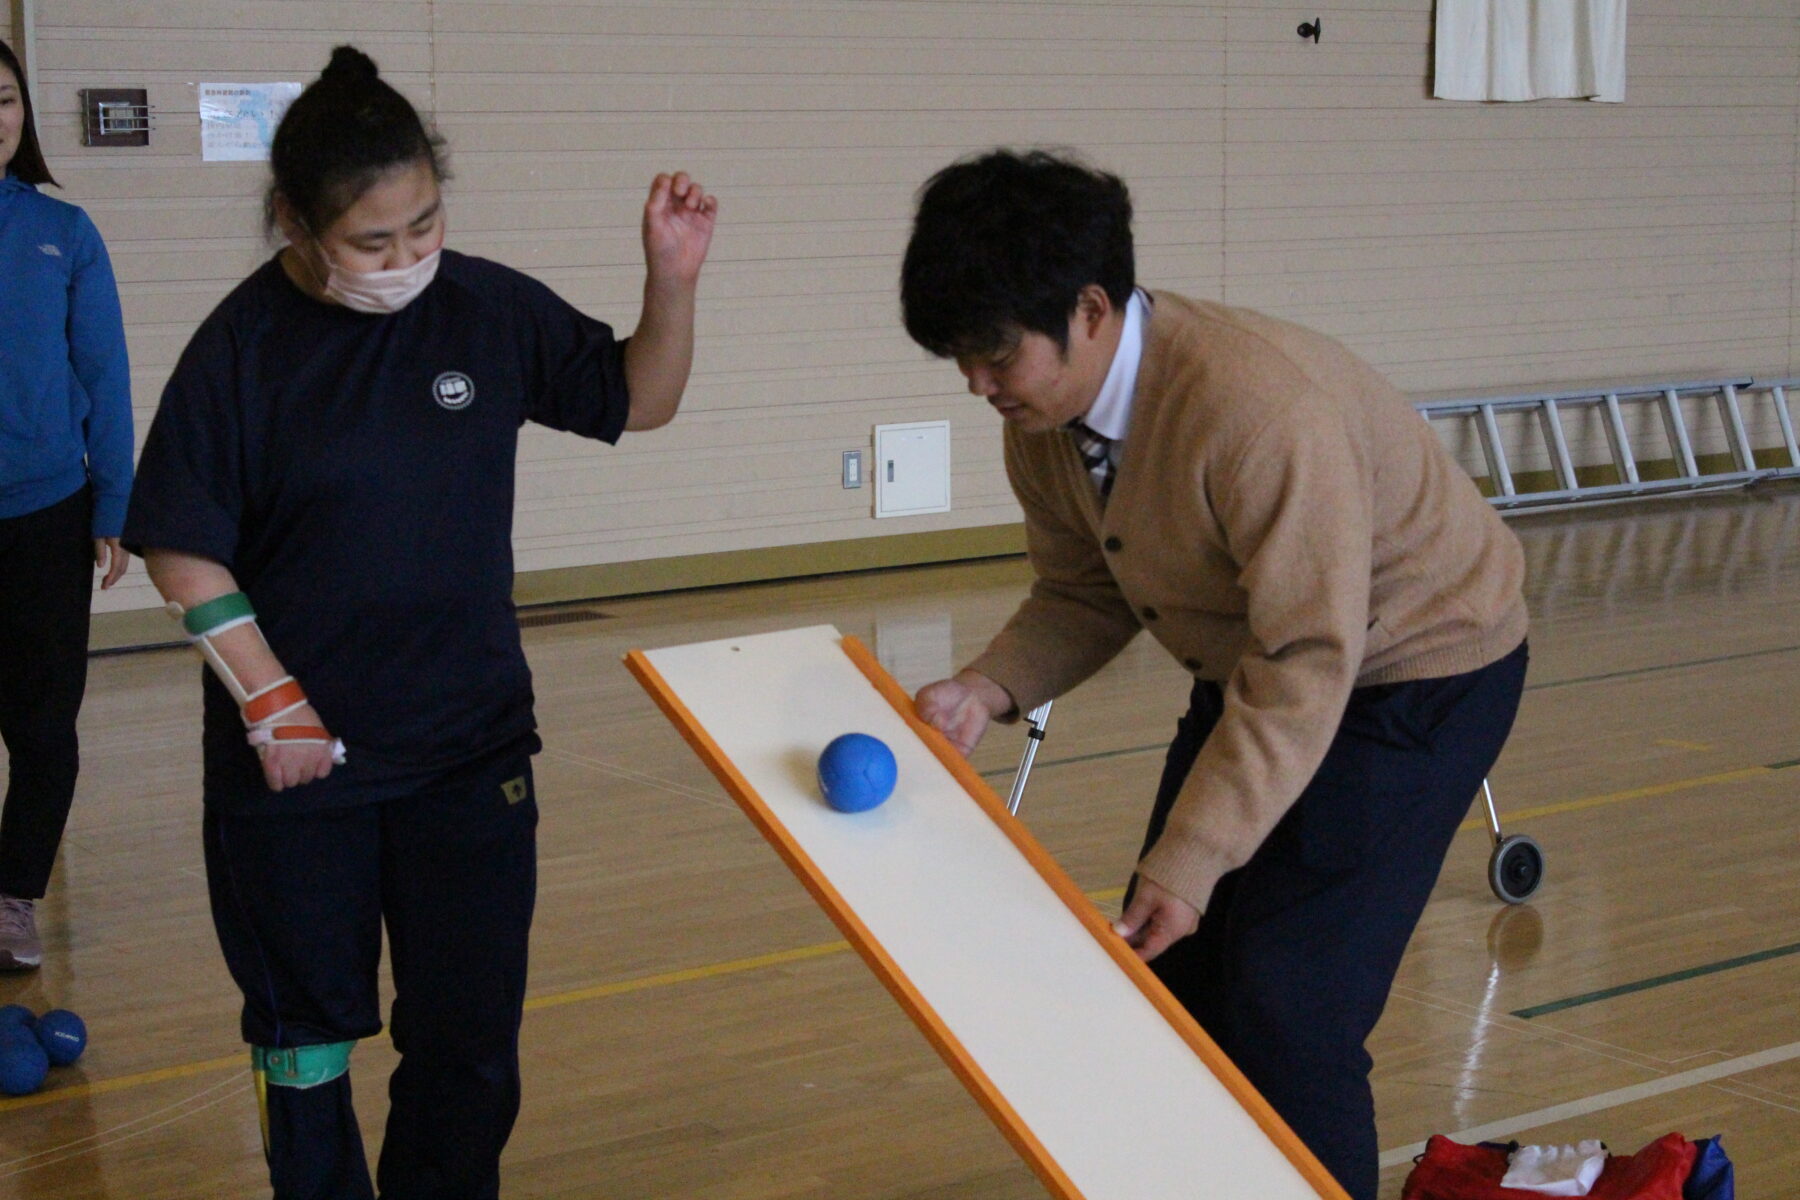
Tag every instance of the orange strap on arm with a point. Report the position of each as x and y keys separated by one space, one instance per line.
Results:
x=272 y=702
x=291 y=733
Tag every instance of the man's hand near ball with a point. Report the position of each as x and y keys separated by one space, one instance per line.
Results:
x=961 y=708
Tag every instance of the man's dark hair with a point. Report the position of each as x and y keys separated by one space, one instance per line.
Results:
x=344 y=132
x=1004 y=243
x=28 y=163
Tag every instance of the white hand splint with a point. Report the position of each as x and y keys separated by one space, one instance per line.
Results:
x=204 y=622
x=265 y=706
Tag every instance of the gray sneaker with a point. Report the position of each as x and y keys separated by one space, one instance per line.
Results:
x=20 y=949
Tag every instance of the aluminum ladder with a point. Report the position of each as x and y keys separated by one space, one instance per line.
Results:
x=1732 y=398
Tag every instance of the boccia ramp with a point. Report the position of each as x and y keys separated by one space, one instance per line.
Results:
x=1100 y=1080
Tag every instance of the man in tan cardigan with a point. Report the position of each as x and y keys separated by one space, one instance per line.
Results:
x=1276 y=515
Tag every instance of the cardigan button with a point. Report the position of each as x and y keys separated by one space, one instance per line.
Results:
x=1149 y=614
x=1192 y=664
x=1114 y=544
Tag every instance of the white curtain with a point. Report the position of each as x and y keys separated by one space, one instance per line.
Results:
x=1530 y=49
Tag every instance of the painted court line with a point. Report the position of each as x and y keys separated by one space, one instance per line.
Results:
x=1640 y=793
x=1505 y=1128
x=1126 y=752
x=735 y=966
x=1485 y=1024
x=1768 y=1097
x=556 y=1000
x=82 y=1147
x=1512 y=815
x=691 y=974
x=1660 y=668
x=1547 y=685
x=623 y=987
x=101 y=1087
x=679 y=789
x=1642 y=985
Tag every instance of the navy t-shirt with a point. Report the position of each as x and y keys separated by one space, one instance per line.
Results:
x=355 y=473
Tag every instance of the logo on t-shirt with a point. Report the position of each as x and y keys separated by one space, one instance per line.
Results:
x=453 y=390
x=51 y=249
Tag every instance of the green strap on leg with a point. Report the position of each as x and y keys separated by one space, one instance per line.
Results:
x=295 y=1067
x=300 y=1066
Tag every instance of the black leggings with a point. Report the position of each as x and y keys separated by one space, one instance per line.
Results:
x=46 y=586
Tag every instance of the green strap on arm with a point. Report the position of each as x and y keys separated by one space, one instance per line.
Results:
x=203 y=618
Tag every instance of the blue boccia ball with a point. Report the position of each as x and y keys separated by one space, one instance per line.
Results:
x=63 y=1036
x=17 y=1014
x=23 y=1063
x=857 y=772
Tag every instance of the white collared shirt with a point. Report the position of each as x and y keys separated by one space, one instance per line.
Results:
x=1110 y=416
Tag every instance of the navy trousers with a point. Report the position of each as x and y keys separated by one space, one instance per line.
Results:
x=46 y=583
x=1297 y=949
x=299 y=902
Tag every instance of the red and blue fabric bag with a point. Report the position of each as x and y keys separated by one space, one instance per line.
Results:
x=1666 y=1169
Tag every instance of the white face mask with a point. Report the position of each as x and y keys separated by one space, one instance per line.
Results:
x=379 y=291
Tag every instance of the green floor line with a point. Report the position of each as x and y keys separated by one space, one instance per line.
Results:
x=1674 y=666
x=1078 y=758
x=1642 y=985
x=1530 y=687
x=997 y=772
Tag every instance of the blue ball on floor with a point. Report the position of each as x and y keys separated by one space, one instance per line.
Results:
x=17 y=1014
x=857 y=772
x=23 y=1063
x=63 y=1036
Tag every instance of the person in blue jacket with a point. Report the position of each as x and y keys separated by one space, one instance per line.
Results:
x=65 y=478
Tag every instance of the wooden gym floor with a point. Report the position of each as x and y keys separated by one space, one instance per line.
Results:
x=697 y=1031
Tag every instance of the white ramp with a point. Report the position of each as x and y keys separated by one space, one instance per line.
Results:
x=1087 y=1064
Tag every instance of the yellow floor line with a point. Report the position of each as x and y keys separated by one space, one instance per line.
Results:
x=1642 y=793
x=710 y=971
x=799 y=954
x=101 y=1087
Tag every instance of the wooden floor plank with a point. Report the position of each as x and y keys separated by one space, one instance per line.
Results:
x=697 y=1030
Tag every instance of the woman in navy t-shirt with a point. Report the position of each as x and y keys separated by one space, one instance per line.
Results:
x=326 y=499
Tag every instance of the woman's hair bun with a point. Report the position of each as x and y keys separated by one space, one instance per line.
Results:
x=339 y=137
x=350 y=64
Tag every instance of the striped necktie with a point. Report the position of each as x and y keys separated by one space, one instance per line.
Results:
x=1094 y=449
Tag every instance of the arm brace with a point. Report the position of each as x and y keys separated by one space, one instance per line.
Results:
x=265 y=706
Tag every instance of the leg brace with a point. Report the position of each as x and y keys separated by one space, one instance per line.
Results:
x=295 y=1067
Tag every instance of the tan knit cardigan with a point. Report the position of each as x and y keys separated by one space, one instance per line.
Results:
x=1284 y=523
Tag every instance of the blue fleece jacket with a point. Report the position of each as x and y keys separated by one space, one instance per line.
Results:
x=65 y=384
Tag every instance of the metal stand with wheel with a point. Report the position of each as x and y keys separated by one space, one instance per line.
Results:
x=1515 y=869
x=1035 y=720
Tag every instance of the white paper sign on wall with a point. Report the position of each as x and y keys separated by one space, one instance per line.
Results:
x=238 y=120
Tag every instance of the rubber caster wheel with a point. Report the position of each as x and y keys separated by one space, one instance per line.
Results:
x=1516 y=868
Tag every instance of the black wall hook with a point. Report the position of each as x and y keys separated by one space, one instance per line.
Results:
x=1311 y=30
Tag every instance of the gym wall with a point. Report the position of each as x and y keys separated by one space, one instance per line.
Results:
x=1461 y=247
